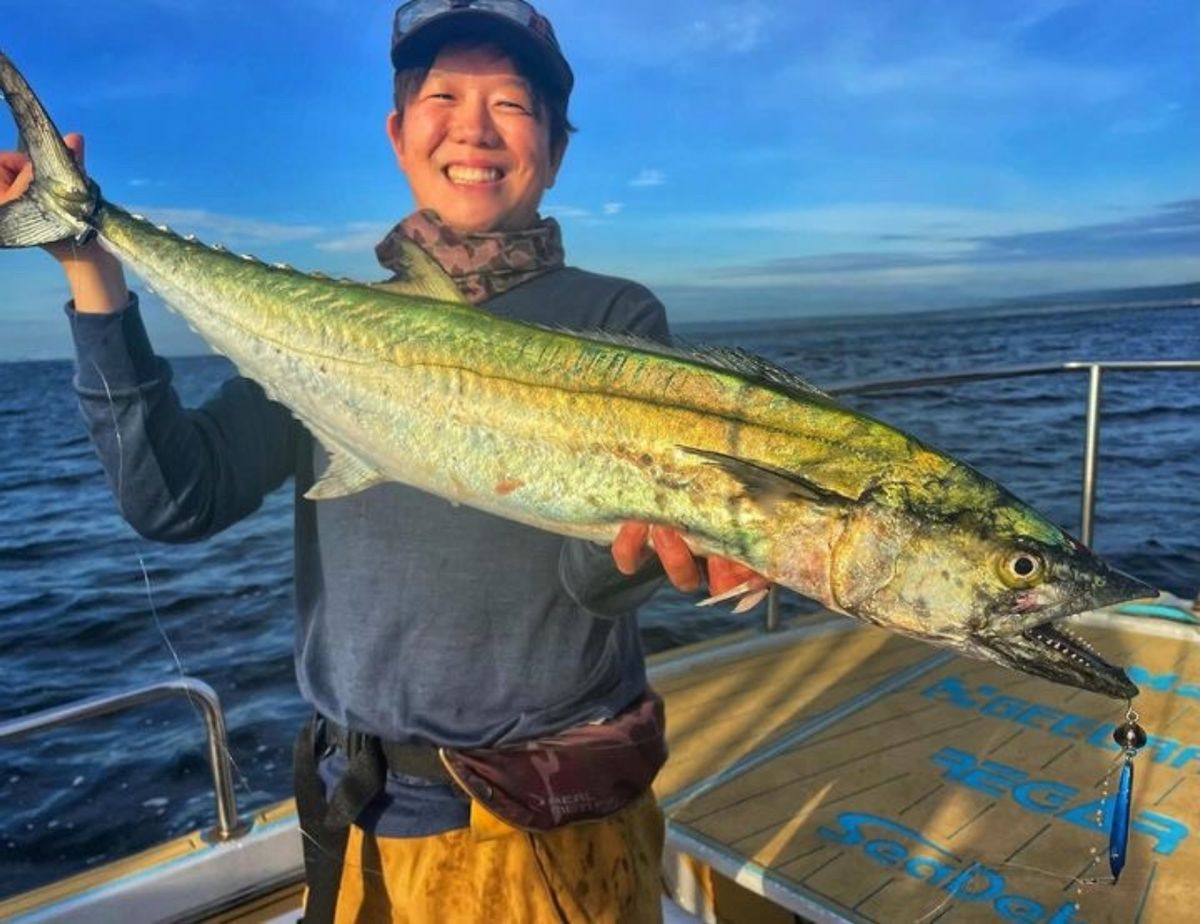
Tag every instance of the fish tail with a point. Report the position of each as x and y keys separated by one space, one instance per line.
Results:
x=62 y=203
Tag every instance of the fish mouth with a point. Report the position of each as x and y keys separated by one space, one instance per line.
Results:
x=1055 y=653
x=1050 y=650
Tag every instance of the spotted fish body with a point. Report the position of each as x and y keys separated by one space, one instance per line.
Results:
x=575 y=433
x=565 y=432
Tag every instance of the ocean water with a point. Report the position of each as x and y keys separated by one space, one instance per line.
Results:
x=87 y=607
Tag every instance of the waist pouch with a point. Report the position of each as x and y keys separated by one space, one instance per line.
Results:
x=585 y=772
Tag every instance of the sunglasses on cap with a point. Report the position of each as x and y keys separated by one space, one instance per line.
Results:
x=522 y=18
x=411 y=15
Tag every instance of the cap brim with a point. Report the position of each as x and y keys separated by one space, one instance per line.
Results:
x=445 y=27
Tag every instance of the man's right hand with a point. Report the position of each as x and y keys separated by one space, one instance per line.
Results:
x=16 y=175
x=95 y=277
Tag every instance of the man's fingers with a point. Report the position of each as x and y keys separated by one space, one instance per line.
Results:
x=13 y=162
x=720 y=575
x=15 y=178
x=74 y=141
x=724 y=574
x=16 y=169
x=629 y=548
x=677 y=559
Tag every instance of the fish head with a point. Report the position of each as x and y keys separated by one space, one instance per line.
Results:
x=981 y=573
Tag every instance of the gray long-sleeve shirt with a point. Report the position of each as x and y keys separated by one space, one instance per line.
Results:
x=416 y=620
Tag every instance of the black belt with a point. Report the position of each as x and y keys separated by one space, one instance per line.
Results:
x=419 y=760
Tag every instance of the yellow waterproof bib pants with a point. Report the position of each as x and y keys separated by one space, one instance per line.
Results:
x=593 y=871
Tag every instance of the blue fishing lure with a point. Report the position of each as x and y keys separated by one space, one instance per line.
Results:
x=1118 y=834
x=1131 y=738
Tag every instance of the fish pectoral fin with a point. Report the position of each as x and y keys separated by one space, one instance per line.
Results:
x=748 y=594
x=750 y=601
x=767 y=483
x=422 y=275
x=345 y=475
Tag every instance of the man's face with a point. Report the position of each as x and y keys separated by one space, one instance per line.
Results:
x=473 y=145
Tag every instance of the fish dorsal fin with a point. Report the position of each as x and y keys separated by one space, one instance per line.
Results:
x=726 y=359
x=757 y=368
x=345 y=475
x=421 y=275
x=767 y=483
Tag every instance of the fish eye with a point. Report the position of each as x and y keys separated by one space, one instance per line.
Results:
x=1021 y=569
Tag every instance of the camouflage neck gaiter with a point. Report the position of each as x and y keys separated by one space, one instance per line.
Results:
x=482 y=265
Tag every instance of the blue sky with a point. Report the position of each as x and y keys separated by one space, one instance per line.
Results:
x=746 y=158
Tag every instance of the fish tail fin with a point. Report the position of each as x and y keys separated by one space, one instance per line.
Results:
x=62 y=202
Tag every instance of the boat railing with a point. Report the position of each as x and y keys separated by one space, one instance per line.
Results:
x=202 y=696
x=199 y=693
x=1091 y=433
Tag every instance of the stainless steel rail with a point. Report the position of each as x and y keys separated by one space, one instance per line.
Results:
x=229 y=826
x=1091 y=435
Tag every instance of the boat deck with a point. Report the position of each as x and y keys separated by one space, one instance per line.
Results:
x=857 y=776
x=844 y=774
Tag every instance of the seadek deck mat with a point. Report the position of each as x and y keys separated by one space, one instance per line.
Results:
x=723 y=710
x=965 y=792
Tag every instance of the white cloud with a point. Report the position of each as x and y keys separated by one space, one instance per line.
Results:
x=735 y=27
x=982 y=72
x=359 y=237
x=1146 y=121
x=582 y=215
x=227 y=228
x=872 y=221
x=568 y=212
x=932 y=287
x=649 y=177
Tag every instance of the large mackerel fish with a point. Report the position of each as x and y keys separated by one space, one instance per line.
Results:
x=574 y=433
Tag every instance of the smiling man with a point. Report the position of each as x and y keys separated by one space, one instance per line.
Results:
x=522 y=664
x=510 y=649
x=472 y=140
x=484 y=739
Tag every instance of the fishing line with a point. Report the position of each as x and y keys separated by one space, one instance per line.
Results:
x=243 y=780
x=950 y=896
x=964 y=877
x=1114 y=821
x=112 y=410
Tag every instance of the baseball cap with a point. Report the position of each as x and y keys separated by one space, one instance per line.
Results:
x=423 y=24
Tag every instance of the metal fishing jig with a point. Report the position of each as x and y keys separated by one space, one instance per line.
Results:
x=1131 y=737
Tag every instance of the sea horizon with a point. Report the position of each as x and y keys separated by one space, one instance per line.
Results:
x=1178 y=295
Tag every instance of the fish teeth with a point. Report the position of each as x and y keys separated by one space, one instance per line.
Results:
x=1065 y=642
